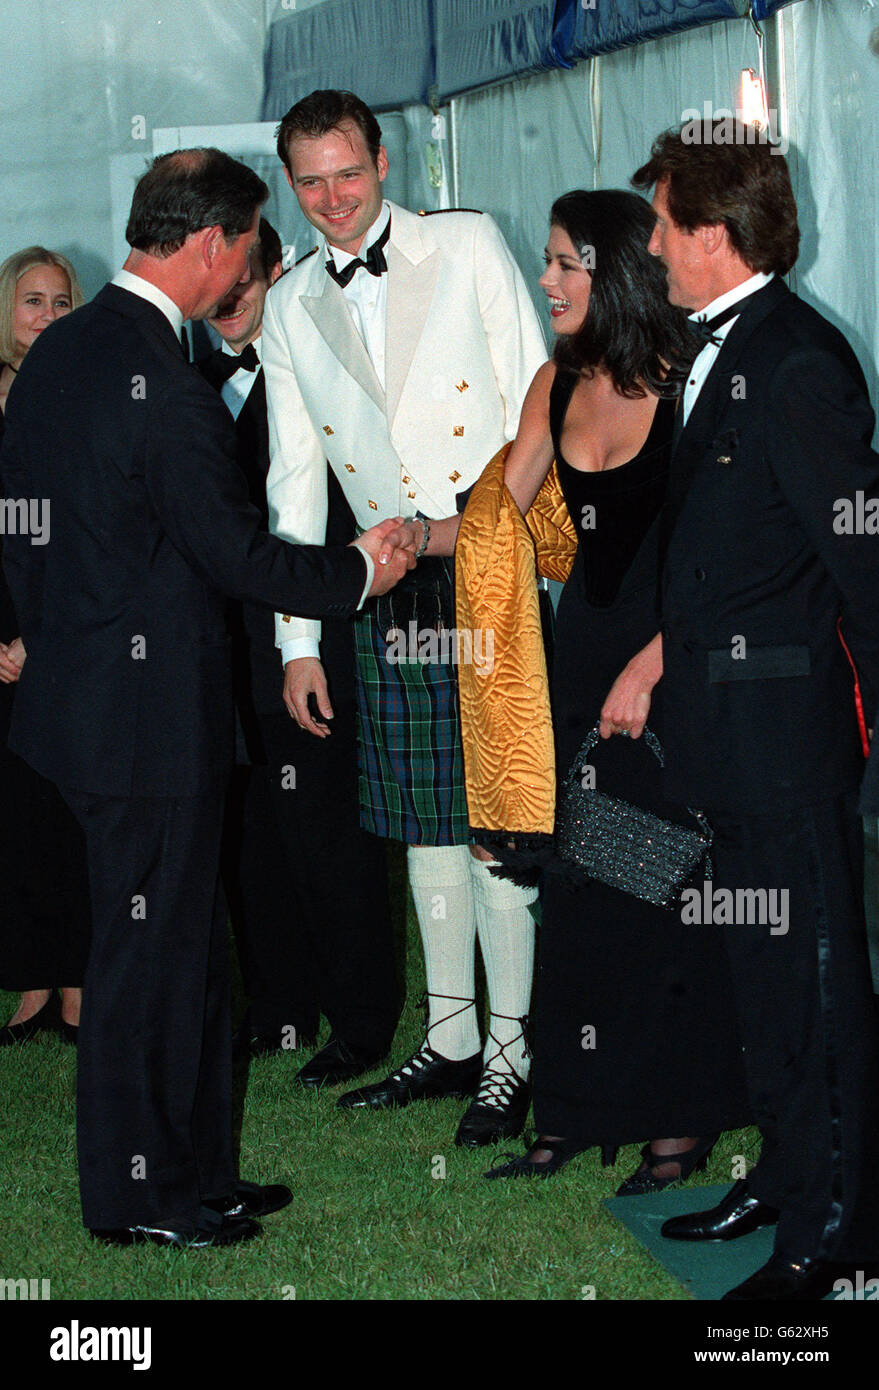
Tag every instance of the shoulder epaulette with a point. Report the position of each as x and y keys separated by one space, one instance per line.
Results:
x=435 y=212
x=305 y=257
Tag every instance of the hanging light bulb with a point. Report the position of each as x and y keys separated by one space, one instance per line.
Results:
x=753 y=101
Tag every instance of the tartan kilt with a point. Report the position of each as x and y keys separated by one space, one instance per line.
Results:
x=409 y=729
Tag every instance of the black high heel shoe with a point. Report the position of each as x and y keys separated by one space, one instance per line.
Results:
x=523 y=1166
x=644 y=1180
x=45 y=1020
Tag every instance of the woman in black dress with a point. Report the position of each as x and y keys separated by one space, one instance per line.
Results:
x=634 y=1034
x=45 y=924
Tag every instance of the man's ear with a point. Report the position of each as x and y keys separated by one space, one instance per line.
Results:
x=289 y=177
x=713 y=236
x=209 y=241
x=382 y=163
x=275 y=273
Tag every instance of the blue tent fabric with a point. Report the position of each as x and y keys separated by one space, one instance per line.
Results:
x=483 y=41
x=585 y=30
x=397 y=53
x=381 y=49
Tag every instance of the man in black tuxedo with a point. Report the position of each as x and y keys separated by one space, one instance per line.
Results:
x=310 y=941
x=761 y=728
x=125 y=700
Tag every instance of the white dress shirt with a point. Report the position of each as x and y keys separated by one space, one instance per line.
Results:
x=708 y=356
x=236 y=390
x=367 y=295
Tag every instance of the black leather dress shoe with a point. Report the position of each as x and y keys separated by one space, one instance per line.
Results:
x=425 y=1076
x=45 y=1020
x=335 y=1063
x=787 y=1279
x=250 y=1199
x=497 y=1111
x=225 y=1232
x=737 y=1215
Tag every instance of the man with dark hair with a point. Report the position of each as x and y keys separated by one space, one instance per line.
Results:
x=125 y=697
x=761 y=730
x=322 y=112
x=310 y=941
x=401 y=351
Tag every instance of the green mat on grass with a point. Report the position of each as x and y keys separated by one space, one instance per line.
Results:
x=707 y=1269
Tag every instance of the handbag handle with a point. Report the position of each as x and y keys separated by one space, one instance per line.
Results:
x=649 y=736
x=655 y=747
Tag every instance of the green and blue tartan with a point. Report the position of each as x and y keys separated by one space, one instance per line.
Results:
x=411 y=760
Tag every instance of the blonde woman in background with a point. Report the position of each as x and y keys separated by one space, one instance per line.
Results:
x=44 y=929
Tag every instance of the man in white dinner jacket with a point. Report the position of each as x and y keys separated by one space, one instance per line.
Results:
x=401 y=349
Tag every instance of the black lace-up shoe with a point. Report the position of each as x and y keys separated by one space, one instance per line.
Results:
x=425 y=1076
x=497 y=1111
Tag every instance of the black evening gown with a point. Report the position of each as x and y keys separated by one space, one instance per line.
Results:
x=45 y=922
x=664 y=1059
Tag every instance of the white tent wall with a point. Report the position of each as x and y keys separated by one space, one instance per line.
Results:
x=832 y=78
x=522 y=143
x=76 y=78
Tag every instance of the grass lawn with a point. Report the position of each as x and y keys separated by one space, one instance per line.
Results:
x=384 y=1205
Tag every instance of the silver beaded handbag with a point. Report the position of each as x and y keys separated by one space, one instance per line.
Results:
x=624 y=846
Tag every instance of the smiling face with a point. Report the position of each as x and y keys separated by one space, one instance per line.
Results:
x=337 y=183
x=566 y=283
x=42 y=295
x=683 y=255
x=238 y=318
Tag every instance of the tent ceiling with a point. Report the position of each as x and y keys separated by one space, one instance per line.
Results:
x=394 y=53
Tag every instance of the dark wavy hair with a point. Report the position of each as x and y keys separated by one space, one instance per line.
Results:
x=184 y=191
x=723 y=171
x=631 y=329
x=323 y=111
x=267 y=249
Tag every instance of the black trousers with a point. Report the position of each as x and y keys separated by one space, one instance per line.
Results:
x=313 y=922
x=807 y=1017
x=154 y=1118
x=45 y=923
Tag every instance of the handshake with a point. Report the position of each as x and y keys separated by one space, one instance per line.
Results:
x=391 y=545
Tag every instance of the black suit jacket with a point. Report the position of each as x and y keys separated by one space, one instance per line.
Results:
x=757 y=689
x=256 y=660
x=126 y=690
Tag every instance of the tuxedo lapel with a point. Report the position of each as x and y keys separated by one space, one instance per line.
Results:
x=329 y=313
x=689 y=442
x=412 y=277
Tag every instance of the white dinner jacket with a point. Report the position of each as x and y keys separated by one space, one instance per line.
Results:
x=462 y=345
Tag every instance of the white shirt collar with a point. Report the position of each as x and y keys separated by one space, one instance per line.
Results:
x=726 y=301
x=126 y=280
x=224 y=347
x=343 y=258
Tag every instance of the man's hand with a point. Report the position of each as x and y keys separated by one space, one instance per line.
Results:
x=627 y=706
x=389 y=567
x=11 y=661
x=303 y=677
x=406 y=535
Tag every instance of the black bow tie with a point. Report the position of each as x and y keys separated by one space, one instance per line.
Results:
x=226 y=364
x=706 y=328
x=375 y=261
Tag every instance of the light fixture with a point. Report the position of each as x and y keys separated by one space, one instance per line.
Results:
x=753 y=102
